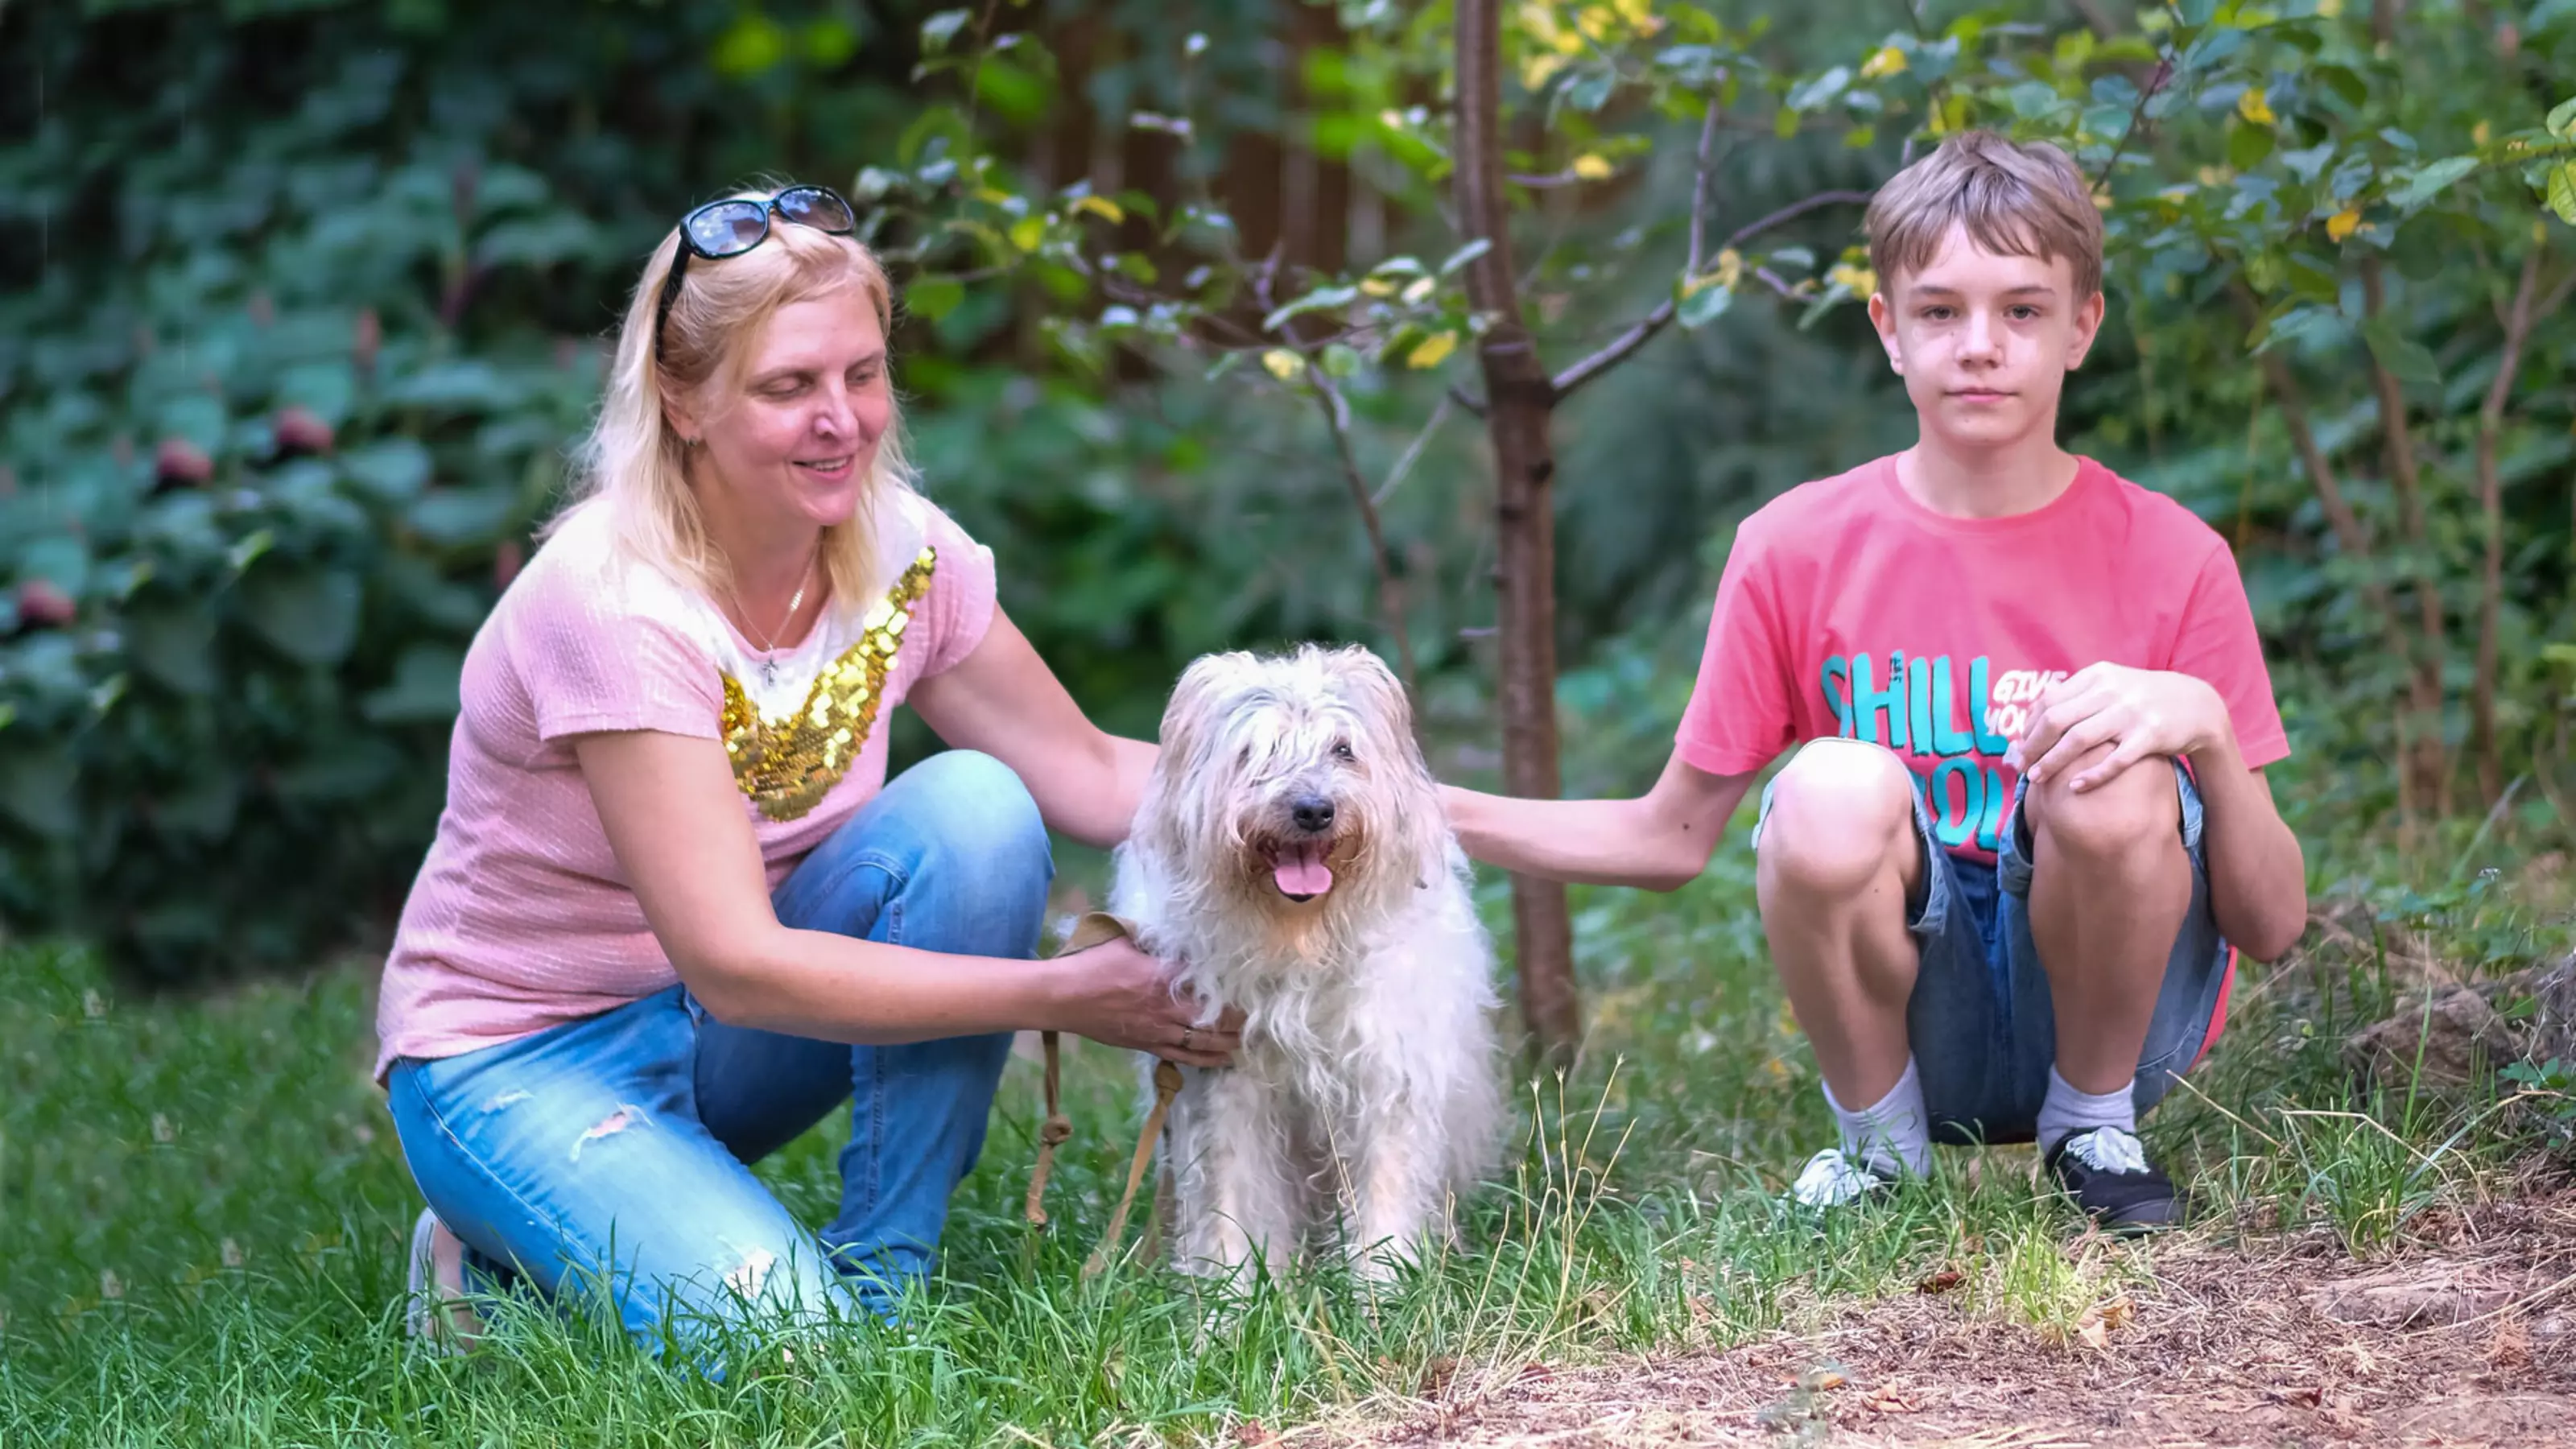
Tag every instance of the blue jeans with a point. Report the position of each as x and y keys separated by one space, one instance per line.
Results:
x=612 y=1154
x=1980 y=1019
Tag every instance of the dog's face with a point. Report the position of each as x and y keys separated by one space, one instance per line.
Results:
x=1291 y=783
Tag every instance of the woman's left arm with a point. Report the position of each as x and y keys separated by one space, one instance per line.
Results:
x=1003 y=700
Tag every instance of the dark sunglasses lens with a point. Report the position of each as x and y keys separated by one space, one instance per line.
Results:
x=727 y=227
x=815 y=207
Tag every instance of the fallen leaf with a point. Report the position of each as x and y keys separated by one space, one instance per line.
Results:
x=1941 y=1282
x=1888 y=1401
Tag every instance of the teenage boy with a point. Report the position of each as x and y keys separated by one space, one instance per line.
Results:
x=2026 y=816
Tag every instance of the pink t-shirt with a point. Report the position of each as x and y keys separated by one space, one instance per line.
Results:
x=520 y=918
x=1848 y=608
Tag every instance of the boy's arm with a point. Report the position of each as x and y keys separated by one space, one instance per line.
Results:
x=1658 y=841
x=2258 y=875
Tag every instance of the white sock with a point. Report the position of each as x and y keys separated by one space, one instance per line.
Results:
x=2067 y=1111
x=1893 y=1137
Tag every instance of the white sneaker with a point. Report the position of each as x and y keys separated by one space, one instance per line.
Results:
x=1830 y=1180
x=435 y=1314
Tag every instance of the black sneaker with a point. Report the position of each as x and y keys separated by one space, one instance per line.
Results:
x=2107 y=1173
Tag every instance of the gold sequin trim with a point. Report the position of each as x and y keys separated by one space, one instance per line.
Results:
x=788 y=763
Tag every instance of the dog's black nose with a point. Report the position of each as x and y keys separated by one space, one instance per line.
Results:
x=1311 y=812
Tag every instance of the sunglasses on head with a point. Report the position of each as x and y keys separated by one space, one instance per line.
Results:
x=729 y=228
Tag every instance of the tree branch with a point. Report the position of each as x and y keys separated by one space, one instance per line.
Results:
x=1390 y=599
x=2517 y=319
x=2404 y=472
x=1643 y=330
x=1412 y=453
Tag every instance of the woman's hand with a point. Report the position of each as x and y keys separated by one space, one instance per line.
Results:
x=1122 y=997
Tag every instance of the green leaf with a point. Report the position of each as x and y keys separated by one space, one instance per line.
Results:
x=2562 y=119
x=2343 y=82
x=423 y=690
x=2405 y=359
x=195 y=417
x=36 y=788
x=173 y=644
x=452 y=517
x=752 y=44
x=1464 y=255
x=933 y=298
x=2431 y=181
x=940 y=29
x=2562 y=192
x=309 y=614
x=2248 y=145
x=1704 y=306
x=1315 y=300
x=1818 y=91
x=389 y=470
x=2196 y=13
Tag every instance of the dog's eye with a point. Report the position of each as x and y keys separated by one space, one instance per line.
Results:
x=1342 y=750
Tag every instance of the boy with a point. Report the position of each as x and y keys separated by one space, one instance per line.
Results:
x=2026 y=814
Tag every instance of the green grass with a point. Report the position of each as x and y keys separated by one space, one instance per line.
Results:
x=202 y=1210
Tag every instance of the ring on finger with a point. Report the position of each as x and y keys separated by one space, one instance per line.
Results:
x=1189 y=1034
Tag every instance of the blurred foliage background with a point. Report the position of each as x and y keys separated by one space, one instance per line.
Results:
x=307 y=298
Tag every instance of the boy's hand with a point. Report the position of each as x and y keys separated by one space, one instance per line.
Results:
x=2145 y=713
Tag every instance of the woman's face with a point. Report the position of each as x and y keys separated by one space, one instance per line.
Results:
x=799 y=439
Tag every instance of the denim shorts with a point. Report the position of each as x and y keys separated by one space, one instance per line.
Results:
x=1980 y=1020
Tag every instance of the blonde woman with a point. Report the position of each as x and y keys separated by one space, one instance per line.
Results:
x=675 y=913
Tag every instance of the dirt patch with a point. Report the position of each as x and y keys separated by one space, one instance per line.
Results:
x=2467 y=1338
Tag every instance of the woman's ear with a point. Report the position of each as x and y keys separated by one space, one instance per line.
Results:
x=684 y=421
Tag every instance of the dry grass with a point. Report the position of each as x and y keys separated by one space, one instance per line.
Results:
x=2467 y=1338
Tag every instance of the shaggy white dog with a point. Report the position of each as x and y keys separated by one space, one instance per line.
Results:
x=1291 y=858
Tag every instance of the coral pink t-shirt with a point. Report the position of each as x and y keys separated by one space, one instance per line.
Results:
x=1848 y=608
x=520 y=918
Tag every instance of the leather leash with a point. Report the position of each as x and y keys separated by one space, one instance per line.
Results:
x=1093 y=929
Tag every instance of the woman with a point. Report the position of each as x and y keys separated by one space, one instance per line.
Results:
x=674 y=912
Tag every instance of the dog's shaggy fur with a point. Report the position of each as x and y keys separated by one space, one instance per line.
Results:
x=1291 y=858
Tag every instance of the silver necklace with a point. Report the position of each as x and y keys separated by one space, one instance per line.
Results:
x=769 y=646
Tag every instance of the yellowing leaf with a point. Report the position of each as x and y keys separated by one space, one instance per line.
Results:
x=1729 y=269
x=2479 y=134
x=1102 y=207
x=1536 y=69
x=1640 y=15
x=2343 y=224
x=1596 y=20
x=1432 y=351
x=2255 y=108
x=2101 y=198
x=1567 y=43
x=1027 y=232
x=1420 y=289
x=1860 y=281
x=1886 y=60
x=992 y=197
x=1283 y=364
x=1591 y=167
x=1378 y=287
x=2330 y=8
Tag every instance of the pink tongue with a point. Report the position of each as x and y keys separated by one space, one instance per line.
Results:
x=1301 y=871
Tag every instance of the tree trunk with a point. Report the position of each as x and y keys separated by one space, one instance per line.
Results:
x=2431 y=763
x=2518 y=317
x=1519 y=403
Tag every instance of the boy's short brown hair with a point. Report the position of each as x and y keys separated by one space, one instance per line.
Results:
x=2015 y=198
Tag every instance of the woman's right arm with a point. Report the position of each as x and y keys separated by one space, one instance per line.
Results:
x=675 y=820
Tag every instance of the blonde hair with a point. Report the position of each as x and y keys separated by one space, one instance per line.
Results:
x=634 y=462
x=2015 y=199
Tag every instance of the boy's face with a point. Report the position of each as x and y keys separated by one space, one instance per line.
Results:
x=1984 y=342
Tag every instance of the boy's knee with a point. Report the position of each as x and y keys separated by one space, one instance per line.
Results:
x=2136 y=810
x=1840 y=811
